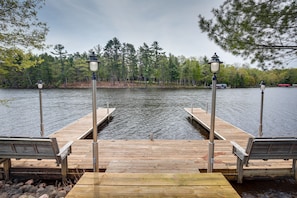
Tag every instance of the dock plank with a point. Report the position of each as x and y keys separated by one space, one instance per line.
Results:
x=223 y=130
x=82 y=127
x=152 y=185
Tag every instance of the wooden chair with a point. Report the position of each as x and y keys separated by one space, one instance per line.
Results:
x=33 y=148
x=266 y=148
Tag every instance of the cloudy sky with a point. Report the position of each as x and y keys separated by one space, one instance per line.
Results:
x=79 y=25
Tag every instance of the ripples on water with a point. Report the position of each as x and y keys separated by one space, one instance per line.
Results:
x=140 y=112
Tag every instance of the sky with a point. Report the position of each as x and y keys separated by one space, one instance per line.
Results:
x=80 y=25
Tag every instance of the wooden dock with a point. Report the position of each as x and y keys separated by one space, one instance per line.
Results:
x=82 y=127
x=152 y=185
x=146 y=157
x=225 y=133
x=223 y=130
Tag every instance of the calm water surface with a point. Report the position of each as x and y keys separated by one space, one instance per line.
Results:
x=140 y=112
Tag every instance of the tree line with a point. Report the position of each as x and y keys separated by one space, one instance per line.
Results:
x=263 y=31
x=122 y=62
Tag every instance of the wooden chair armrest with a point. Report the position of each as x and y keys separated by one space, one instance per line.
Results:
x=65 y=150
x=239 y=151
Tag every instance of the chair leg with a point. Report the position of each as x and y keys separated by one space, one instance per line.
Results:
x=295 y=169
x=64 y=168
x=6 y=167
x=239 y=170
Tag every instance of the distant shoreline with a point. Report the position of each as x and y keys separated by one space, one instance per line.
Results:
x=131 y=85
x=121 y=85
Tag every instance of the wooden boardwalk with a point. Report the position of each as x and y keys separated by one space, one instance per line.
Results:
x=158 y=156
x=152 y=185
x=153 y=157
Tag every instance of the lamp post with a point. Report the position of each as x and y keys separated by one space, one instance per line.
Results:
x=214 y=68
x=40 y=86
x=262 y=87
x=93 y=63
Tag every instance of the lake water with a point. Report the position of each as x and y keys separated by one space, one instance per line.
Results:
x=140 y=112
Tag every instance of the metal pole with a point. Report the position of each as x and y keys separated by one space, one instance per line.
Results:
x=212 y=125
x=107 y=107
x=95 y=142
x=41 y=114
x=261 y=115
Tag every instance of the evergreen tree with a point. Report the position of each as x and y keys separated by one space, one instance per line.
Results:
x=112 y=53
x=263 y=31
x=61 y=53
x=145 y=62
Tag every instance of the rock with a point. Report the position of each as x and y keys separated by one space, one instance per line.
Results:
x=43 y=185
x=44 y=196
x=1 y=184
x=14 y=191
x=4 y=195
x=15 y=196
x=17 y=189
x=29 y=182
x=29 y=189
x=48 y=190
x=61 y=193
x=68 y=188
x=26 y=196
x=40 y=191
x=18 y=185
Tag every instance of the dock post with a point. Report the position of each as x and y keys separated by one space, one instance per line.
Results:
x=212 y=125
x=261 y=110
x=40 y=86
x=93 y=63
x=95 y=141
x=214 y=68
x=108 y=117
x=191 y=117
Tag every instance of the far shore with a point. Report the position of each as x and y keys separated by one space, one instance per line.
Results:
x=119 y=85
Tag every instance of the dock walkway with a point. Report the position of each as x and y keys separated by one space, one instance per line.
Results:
x=152 y=157
x=157 y=156
x=82 y=127
x=223 y=130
